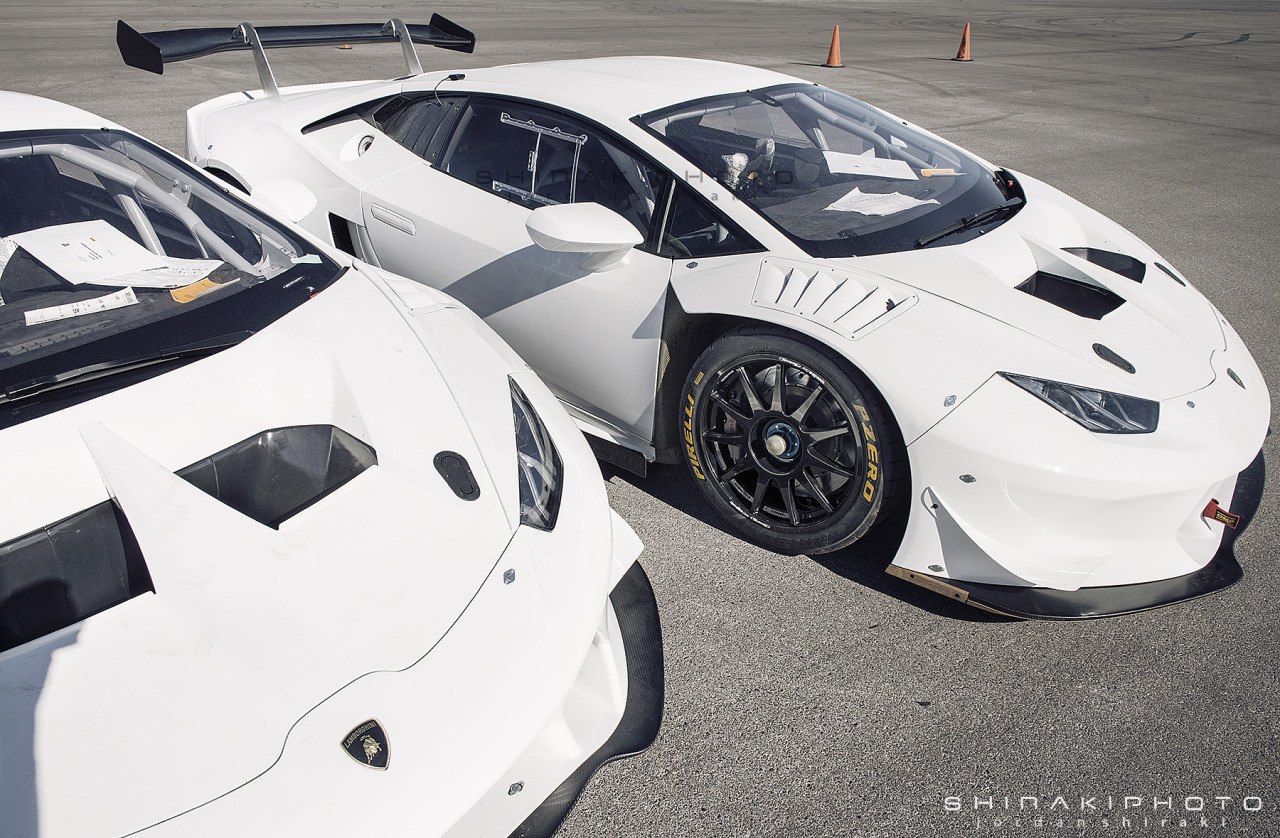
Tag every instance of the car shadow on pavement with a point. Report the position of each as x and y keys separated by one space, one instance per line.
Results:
x=863 y=562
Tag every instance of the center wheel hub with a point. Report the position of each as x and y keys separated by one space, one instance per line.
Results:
x=782 y=441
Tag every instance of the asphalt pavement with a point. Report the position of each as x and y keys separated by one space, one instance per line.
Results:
x=819 y=696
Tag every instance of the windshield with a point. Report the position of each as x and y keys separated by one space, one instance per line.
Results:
x=112 y=249
x=837 y=176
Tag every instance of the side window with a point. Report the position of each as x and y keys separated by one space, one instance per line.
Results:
x=538 y=158
x=417 y=123
x=696 y=230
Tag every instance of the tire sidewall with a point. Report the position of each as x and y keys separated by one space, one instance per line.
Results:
x=851 y=523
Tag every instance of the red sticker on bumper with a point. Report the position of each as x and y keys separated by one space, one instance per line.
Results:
x=1217 y=513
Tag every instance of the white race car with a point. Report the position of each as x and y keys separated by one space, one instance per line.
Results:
x=288 y=545
x=824 y=310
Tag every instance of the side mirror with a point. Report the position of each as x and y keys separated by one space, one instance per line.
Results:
x=603 y=235
x=286 y=197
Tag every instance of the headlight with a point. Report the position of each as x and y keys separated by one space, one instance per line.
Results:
x=538 y=463
x=1094 y=410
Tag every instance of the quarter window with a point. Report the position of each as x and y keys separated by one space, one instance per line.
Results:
x=696 y=230
x=416 y=123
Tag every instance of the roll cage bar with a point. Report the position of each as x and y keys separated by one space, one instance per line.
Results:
x=150 y=51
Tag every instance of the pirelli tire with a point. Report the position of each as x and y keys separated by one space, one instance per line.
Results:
x=805 y=467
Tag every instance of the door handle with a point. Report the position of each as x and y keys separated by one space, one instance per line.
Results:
x=392 y=219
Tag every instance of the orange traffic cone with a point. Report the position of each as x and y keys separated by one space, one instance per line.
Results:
x=963 y=53
x=833 y=55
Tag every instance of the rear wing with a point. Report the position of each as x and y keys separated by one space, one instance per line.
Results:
x=152 y=50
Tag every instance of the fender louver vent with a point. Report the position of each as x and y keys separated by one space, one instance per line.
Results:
x=1126 y=266
x=1079 y=298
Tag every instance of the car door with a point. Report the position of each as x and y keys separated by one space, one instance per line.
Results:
x=455 y=219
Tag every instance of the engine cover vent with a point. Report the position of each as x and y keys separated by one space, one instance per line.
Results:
x=1079 y=298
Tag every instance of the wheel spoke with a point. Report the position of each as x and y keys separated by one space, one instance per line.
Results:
x=816 y=490
x=789 y=498
x=753 y=399
x=757 y=500
x=724 y=437
x=825 y=463
x=803 y=410
x=736 y=469
x=779 y=383
x=729 y=408
x=819 y=436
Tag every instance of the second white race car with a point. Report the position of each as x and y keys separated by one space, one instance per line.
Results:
x=288 y=545
x=825 y=311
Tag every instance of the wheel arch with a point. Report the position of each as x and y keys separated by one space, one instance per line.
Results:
x=224 y=174
x=686 y=335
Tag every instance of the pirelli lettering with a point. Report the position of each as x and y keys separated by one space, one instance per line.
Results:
x=873 y=454
x=689 y=448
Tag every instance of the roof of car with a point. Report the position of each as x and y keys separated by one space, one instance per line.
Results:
x=619 y=87
x=22 y=112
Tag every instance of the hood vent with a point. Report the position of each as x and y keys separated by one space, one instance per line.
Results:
x=1079 y=298
x=1126 y=266
x=1171 y=274
x=275 y=475
x=66 y=572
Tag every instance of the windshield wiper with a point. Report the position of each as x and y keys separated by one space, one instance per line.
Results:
x=92 y=372
x=971 y=221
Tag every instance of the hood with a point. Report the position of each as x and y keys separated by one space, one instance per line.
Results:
x=179 y=695
x=1064 y=273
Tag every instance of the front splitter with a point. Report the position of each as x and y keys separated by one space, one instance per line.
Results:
x=1030 y=603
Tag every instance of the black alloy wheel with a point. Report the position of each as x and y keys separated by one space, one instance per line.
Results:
x=792 y=447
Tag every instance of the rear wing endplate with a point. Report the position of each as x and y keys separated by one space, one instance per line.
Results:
x=152 y=50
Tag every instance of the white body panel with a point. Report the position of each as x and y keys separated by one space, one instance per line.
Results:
x=1052 y=506
x=482 y=256
x=260 y=648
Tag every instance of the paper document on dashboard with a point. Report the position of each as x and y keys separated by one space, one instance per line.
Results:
x=116 y=299
x=867 y=165
x=86 y=251
x=877 y=203
x=175 y=273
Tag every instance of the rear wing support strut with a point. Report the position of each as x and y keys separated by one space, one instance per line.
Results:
x=152 y=50
x=268 y=78
x=398 y=29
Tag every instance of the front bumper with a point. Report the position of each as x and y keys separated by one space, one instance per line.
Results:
x=501 y=724
x=1020 y=511
x=637 y=617
x=1033 y=603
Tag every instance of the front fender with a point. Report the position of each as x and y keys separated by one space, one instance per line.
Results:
x=925 y=354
